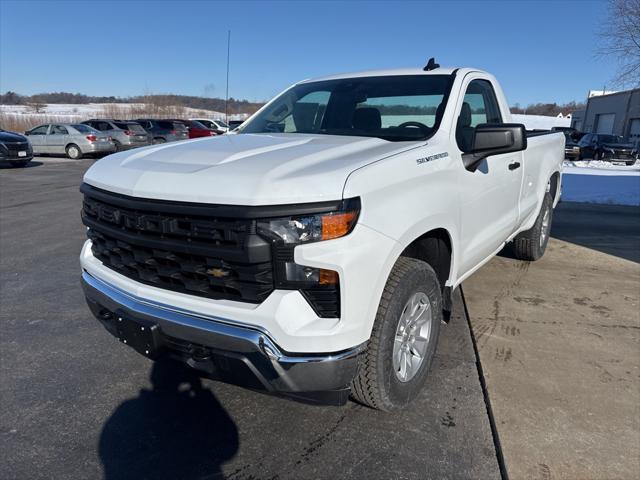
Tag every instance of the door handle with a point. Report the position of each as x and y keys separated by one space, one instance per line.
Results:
x=514 y=165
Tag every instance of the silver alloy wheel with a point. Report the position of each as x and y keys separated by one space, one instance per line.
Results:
x=545 y=226
x=74 y=152
x=412 y=336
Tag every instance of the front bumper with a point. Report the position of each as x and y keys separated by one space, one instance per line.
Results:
x=231 y=353
x=619 y=156
x=571 y=153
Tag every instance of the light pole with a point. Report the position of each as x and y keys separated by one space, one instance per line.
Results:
x=226 y=101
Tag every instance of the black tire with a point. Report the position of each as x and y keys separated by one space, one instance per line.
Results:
x=157 y=141
x=377 y=383
x=630 y=163
x=531 y=245
x=596 y=155
x=74 y=152
x=19 y=163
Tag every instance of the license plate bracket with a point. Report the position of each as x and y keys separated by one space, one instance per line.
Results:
x=141 y=335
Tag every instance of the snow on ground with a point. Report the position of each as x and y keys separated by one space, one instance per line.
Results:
x=601 y=182
x=540 y=122
x=77 y=112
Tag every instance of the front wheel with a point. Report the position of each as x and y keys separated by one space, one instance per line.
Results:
x=403 y=342
x=531 y=245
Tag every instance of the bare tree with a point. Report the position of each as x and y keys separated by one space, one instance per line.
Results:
x=621 y=39
x=37 y=107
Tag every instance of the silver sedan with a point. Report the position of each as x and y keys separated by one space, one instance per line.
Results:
x=72 y=139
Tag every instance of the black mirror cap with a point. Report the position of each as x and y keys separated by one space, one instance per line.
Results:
x=495 y=139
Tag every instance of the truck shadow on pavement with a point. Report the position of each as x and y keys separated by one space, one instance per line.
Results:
x=178 y=429
x=8 y=166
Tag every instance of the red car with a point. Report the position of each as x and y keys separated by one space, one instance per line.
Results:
x=196 y=129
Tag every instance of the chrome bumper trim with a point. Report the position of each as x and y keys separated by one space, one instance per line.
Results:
x=275 y=368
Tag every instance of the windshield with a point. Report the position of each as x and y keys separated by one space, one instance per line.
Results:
x=222 y=124
x=394 y=108
x=611 y=139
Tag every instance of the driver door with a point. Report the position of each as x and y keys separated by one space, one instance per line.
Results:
x=489 y=196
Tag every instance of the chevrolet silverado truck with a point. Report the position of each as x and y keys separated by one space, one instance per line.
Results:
x=314 y=252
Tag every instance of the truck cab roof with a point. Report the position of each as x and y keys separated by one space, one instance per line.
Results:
x=392 y=72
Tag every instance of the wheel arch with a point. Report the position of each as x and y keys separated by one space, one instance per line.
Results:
x=434 y=247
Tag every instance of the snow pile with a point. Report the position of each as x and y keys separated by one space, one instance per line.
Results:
x=540 y=122
x=615 y=185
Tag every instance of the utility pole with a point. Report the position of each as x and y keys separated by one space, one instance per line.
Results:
x=226 y=102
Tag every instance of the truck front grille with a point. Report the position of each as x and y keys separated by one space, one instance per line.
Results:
x=178 y=246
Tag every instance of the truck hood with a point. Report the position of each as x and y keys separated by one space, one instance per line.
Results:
x=243 y=169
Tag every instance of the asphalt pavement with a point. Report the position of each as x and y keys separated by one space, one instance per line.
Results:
x=75 y=403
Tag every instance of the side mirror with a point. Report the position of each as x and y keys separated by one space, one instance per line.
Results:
x=495 y=139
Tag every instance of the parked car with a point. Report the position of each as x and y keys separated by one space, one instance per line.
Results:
x=161 y=131
x=180 y=126
x=125 y=134
x=571 y=148
x=217 y=126
x=198 y=130
x=15 y=148
x=73 y=139
x=606 y=147
x=233 y=124
x=318 y=262
x=569 y=132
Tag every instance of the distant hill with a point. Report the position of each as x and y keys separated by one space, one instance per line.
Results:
x=235 y=106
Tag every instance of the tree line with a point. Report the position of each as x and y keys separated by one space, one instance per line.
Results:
x=235 y=106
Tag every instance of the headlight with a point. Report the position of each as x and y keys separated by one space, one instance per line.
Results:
x=321 y=287
x=311 y=228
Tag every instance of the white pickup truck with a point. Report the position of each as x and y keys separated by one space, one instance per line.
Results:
x=314 y=253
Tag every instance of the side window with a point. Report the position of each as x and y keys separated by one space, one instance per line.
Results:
x=58 y=130
x=479 y=106
x=41 y=130
x=103 y=126
x=307 y=113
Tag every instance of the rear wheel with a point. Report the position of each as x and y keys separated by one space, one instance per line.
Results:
x=531 y=245
x=74 y=152
x=395 y=365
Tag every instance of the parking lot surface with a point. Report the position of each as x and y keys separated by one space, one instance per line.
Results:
x=78 y=404
x=559 y=343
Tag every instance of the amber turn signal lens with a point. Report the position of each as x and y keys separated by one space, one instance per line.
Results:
x=328 y=277
x=337 y=225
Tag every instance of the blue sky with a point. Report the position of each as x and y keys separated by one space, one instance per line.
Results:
x=540 y=51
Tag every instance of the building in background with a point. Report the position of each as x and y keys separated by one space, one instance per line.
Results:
x=616 y=113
